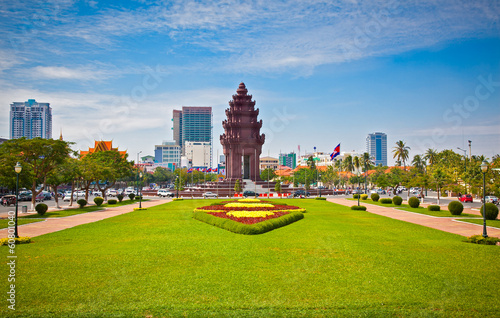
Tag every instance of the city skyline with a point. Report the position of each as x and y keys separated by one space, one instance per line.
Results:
x=322 y=74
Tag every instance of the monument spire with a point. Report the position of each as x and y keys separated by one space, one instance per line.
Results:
x=242 y=141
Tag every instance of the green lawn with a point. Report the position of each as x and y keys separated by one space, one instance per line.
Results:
x=20 y=221
x=333 y=263
x=421 y=210
x=493 y=223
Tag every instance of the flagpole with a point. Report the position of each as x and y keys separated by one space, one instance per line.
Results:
x=217 y=175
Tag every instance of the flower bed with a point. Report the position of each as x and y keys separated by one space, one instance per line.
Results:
x=254 y=217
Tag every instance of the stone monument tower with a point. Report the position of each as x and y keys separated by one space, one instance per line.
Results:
x=242 y=141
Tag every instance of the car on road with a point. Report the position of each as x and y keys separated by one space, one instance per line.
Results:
x=250 y=194
x=25 y=196
x=301 y=193
x=8 y=200
x=67 y=196
x=491 y=199
x=111 y=193
x=466 y=198
x=164 y=193
x=40 y=197
x=47 y=195
x=210 y=195
x=381 y=191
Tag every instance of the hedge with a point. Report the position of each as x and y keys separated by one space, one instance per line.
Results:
x=41 y=208
x=397 y=200
x=358 y=208
x=375 y=197
x=491 y=211
x=364 y=197
x=386 y=201
x=112 y=201
x=19 y=240
x=455 y=207
x=248 y=229
x=413 y=202
x=317 y=198
x=434 y=208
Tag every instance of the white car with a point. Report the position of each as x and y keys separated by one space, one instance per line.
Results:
x=67 y=196
x=164 y=193
x=209 y=195
x=491 y=199
x=111 y=193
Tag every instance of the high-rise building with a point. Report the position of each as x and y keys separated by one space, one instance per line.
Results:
x=376 y=146
x=168 y=155
x=288 y=159
x=30 y=119
x=192 y=124
x=198 y=153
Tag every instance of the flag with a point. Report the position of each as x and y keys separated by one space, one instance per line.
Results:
x=335 y=152
x=203 y=170
x=215 y=170
x=190 y=170
x=209 y=170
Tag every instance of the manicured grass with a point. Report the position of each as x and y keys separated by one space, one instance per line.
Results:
x=20 y=221
x=76 y=210
x=421 y=210
x=333 y=263
x=493 y=223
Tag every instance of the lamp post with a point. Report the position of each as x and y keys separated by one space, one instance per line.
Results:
x=140 y=195
x=357 y=192
x=177 y=185
x=319 y=175
x=366 y=190
x=484 y=168
x=17 y=169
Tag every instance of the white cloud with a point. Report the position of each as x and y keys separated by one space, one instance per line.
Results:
x=84 y=73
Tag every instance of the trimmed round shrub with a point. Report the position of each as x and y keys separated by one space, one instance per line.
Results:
x=112 y=201
x=364 y=197
x=355 y=196
x=397 y=200
x=358 y=208
x=82 y=203
x=455 y=207
x=375 y=197
x=434 y=208
x=317 y=198
x=491 y=211
x=119 y=197
x=414 y=202
x=41 y=208
x=131 y=196
x=386 y=201
x=98 y=201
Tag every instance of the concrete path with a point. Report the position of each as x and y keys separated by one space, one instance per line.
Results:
x=61 y=223
x=451 y=225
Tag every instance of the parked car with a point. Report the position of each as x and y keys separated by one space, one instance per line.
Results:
x=210 y=195
x=47 y=195
x=466 y=198
x=381 y=191
x=250 y=194
x=111 y=193
x=25 y=196
x=40 y=197
x=491 y=199
x=301 y=193
x=164 y=193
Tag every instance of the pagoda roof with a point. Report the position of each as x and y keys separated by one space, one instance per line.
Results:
x=102 y=146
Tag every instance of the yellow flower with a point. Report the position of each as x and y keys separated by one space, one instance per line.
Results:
x=248 y=205
x=250 y=214
x=249 y=200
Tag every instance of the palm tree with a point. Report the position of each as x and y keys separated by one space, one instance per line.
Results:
x=430 y=155
x=401 y=151
x=418 y=163
x=367 y=161
x=348 y=164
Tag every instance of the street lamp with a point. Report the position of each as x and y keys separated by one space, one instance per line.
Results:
x=319 y=175
x=140 y=195
x=358 y=170
x=177 y=185
x=484 y=168
x=17 y=169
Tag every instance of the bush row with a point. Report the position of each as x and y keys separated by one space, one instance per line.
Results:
x=358 y=208
x=317 y=198
x=434 y=208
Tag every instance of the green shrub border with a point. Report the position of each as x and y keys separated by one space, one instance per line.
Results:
x=375 y=197
x=397 y=200
x=385 y=201
x=112 y=201
x=248 y=229
x=320 y=198
x=358 y=208
x=434 y=208
x=364 y=197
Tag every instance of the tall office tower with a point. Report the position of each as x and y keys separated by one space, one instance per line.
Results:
x=192 y=124
x=288 y=159
x=376 y=146
x=30 y=119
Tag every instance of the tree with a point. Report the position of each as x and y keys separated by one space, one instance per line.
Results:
x=348 y=164
x=430 y=155
x=401 y=152
x=419 y=163
x=277 y=186
x=62 y=174
x=439 y=179
x=37 y=156
x=267 y=174
x=237 y=186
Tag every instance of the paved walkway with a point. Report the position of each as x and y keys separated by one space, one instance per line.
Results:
x=61 y=223
x=451 y=225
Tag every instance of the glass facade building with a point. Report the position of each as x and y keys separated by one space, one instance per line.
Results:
x=192 y=124
x=288 y=159
x=376 y=146
x=168 y=155
x=30 y=119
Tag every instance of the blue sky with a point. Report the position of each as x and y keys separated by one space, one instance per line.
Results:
x=321 y=72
